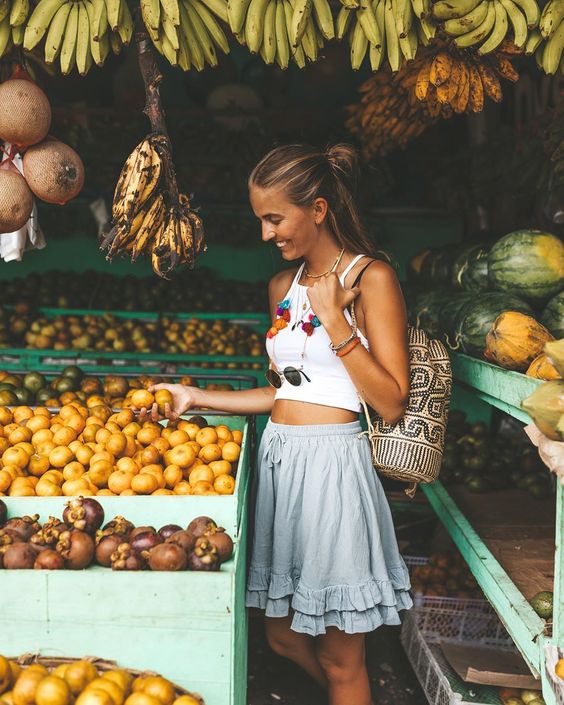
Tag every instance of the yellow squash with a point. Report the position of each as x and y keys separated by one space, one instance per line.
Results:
x=515 y=340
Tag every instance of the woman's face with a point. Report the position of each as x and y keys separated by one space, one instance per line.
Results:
x=293 y=229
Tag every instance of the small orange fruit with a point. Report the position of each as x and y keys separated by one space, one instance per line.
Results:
x=210 y=452
x=220 y=467
x=125 y=417
x=206 y=436
x=115 y=691
x=231 y=452
x=94 y=696
x=183 y=487
x=15 y=456
x=224 y=484
x=237 y=436
x=38 y=464
x=142 y=399
x=163 y=397
x=121 y=677
x=5 y=480
x=54 y=476
x=117 y=444
x=23 y=692
x=37 y=423
x=159 y=688
x=191 y=429
x=71 y=488
x=177 y=437
x=73 y=470
x=223 y=433
x=79 y=674
x=120 y=480
x=201 y=473
x=182 y=455
x=60 y=456
x=173 y=475
x=84 y=454
x=20 y=435
x=201 y=488
x=100 y=472
x=144 y=483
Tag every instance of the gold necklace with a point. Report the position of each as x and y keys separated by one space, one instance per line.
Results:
x=333 y=268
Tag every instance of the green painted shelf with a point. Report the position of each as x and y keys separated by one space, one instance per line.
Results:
x=504 y=390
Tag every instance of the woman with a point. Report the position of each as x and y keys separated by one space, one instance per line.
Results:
x=325 y=564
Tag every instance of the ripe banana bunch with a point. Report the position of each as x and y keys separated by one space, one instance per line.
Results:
x=187 y=32
x=143 y=219
x=282 y=30
x=487 y=23
x=391 y=29
x=386 y=117
x=550 y=54
x=461 y=82
x=79 y=32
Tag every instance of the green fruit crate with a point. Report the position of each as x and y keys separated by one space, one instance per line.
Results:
x=189 y=626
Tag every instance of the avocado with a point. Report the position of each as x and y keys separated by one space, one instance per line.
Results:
x=34 y=381
x=542 y=604
x=73 y=372
x=25 y=396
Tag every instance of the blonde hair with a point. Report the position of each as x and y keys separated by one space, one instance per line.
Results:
x=306 y=174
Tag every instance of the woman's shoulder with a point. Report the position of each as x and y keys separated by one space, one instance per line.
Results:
x=282 y=279
x=375 y=272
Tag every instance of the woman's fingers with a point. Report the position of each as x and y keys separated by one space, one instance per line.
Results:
x=170 y=414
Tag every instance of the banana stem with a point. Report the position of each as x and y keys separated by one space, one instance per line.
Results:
x=153 y=109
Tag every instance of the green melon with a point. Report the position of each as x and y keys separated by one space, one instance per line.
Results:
x=424 y=312
x=529 y=264
x=435 y=268
x=553 y=315
x=448 y=316
x=463 y=259
x=475 y=277
x=477 y=317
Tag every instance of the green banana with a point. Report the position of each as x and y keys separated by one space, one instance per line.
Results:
x=254 y=24
x=115 y=42
x=282 y=41
x=404 y=16
x=5 y=35
x=309 y=41
x=68 y=47
x=171 y=9
x=449 y=9
x=324 y=18
x=392 y=39
x=376 y=54
x=39 y=22
x=151 y=12
x=218 y=7
x=533 y=41
x=553 y=51
x=409 y=44
x=269 y=38
x=125 y=24
x=350 y=4
x=98 y=16
x=82 y=39
x=18 y=35
x=367 y=19
x=169 y=30
x=202 y=36
x=56 y=33
x=236 y=14
x=100 y=46
x=499 y=31
x=184 y=60
x=419 y=8
x=531 y=10
x=113 y=10
x=167 y=50
x=4 y=10
x=462 y=25
x=380 y=12
x=19 y=12
x=212 y=25
x=428 y=29
x=342 y=22
x=188 y=33
x=297 y=52
x=478 y=34
x=552 y=16
x=359 y=45
x=300 y=15
x=518 y=22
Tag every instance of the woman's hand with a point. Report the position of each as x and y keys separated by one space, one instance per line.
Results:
x=328 y=298
x=551 y=452
x=183 y=399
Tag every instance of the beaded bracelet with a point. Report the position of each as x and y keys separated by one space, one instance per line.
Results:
x=350 y=346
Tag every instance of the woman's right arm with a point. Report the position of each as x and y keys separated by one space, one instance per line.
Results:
x=243 y=402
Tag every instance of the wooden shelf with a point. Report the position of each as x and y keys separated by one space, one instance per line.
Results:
x=501 y=388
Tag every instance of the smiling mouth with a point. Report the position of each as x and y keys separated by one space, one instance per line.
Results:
x=281 y=243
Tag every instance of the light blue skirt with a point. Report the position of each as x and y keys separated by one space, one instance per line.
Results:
x=324 y=542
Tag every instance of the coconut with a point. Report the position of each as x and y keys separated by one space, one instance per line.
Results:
x=25 y=113
x=16 y=201
x=53 y=171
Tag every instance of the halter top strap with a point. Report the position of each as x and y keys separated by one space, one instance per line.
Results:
x=349 y=267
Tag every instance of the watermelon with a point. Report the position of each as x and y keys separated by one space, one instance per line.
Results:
x=424 y=312
x=475 y=277
x=448 y=316
x=436 y=267
x=553 y=315
x=477 y=317
x=464 y=257
x=528 y=264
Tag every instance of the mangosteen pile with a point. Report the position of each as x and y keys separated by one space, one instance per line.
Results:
x=81 y=538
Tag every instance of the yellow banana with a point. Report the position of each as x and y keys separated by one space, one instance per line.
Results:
x=134 y=176
x=409 y=44
x=39 y=21
x=19 y=12
x=184 y=60
x=476 y=100
x=56 y=33
x=68 y=47
x=82 y=39
x=212 y=25
x=254 y=24
x=359 y=45
x=125 y=24
x=552 y=16
x=423 y=81
x=324 y=18
x=152 y=221
x=269 y=39
x=376 y=54
x=218 y=8
x=499 y=30
x=553 y=51
x=151 y=13
x=300 y=15
x=448 y=10
x=236 y=14
x=115 y=42
x=98 y=18
x=282 y=41
x=518 y=22
x=171 y=9
x=343 y=21
x=367 y=19
x=5 y=35
x=113 y=10
x=380 y=12
x=404 y=17
x=466 y=23
x=309 y=41
x=169 y=30
x=202 y=36
x=531 y=10
x=4 y=10
x=534 y=40
x=188 y=33
x=479 y=33
x=18 y=35
x=441 y=68
x=392 y=39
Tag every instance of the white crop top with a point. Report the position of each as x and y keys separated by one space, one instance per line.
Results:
x=330 y=383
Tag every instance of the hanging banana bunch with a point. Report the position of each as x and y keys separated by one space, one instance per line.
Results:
x=79 y=33
x=485 y=24
x=550 y=53
x=384 y=29
x=282 y=30
x=460 y=80
x=144 y=221
x=187 y=32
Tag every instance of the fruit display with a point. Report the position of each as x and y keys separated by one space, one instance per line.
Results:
x=148 y=216
x=81 y=538
x=111 y=333
x=486 y=463
x=200 y=290
x=444 y=575
x=546 y=407
x=520 y=696
x=73 y=385
x=515 y=340
x=46 y=681
x=53 y=171
x=94 y=451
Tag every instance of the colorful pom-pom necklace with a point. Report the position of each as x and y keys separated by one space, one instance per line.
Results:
x=282 y=318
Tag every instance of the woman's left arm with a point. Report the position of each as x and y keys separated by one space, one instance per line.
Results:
x=380 y=375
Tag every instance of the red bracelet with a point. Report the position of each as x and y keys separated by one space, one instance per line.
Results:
x=351 y=346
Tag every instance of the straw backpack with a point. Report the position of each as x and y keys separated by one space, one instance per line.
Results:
x=411 y=450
